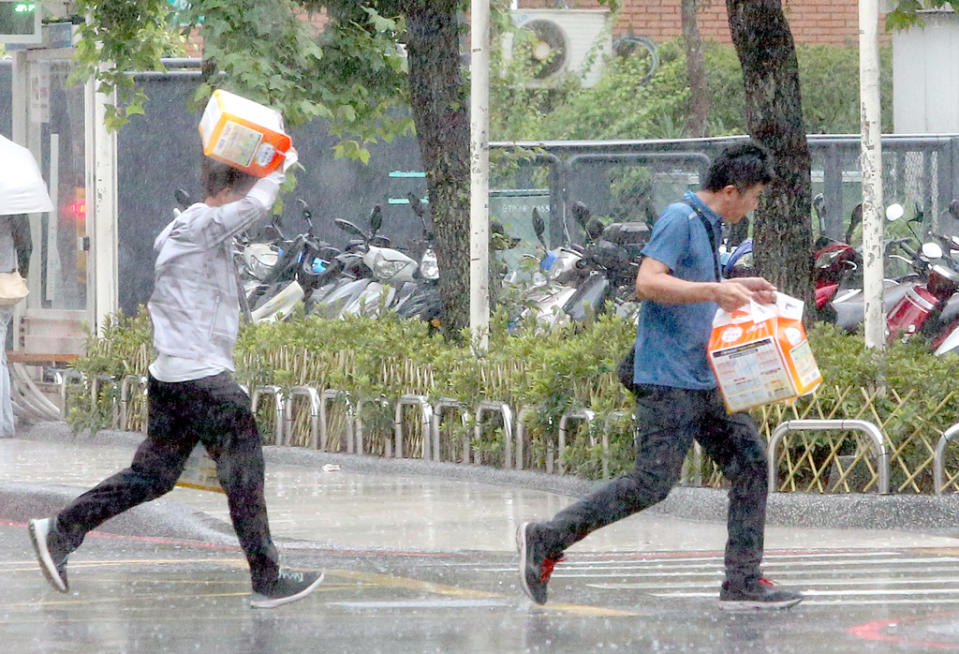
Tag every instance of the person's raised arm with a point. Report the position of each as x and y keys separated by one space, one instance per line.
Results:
x=230 y=219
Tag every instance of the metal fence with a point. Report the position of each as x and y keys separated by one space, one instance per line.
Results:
x=637 y=179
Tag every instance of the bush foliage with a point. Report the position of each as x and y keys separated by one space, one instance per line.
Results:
x=564 y=370
x=621 y=106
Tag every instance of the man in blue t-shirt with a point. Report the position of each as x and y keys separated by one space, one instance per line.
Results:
x=677 y=398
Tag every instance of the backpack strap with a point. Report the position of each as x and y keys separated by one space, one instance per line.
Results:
x=712 y=238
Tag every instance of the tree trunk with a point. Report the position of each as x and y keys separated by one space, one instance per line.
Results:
x=782 y=233
x=441 y=114
x=695 y=72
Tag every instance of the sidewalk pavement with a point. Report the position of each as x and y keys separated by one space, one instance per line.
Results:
x=346 y=502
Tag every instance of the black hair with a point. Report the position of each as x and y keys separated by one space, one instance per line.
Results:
x=218 y=176
x=742 y=166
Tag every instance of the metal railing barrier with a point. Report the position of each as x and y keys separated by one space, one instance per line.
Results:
x=331 y=395
x=313 y=396
x=358 y=428
x=438 y=407
x=128 y=382
x=612 y=415
x=586 y=415
x=492 y=406
x=426 y=417
x=63 y=379
x=868 y=428
x=694 y=463
x=277 y=394
x=521 y=416
x=939 y=463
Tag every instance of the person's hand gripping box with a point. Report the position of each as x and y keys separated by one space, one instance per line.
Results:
x=760 y=354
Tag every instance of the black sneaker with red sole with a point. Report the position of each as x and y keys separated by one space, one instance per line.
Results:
x=535 y=563
x=756 y=594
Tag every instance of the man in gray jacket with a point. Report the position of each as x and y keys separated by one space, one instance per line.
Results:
x=192 y=395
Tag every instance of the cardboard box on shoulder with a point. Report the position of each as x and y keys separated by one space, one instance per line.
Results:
x=243 y=133
x=760 y=354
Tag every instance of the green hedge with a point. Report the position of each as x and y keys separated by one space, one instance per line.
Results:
x=567 y=369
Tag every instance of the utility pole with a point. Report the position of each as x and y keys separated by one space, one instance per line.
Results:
x=479 y=172
x=871 y=164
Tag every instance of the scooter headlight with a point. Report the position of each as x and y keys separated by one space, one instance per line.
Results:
x=429 y=268
x=384 y=268
x=260 y=260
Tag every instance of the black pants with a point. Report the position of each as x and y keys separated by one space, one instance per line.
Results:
x=216 y=412
x=668 y=419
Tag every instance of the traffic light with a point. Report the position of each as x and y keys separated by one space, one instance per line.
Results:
x=20 y=21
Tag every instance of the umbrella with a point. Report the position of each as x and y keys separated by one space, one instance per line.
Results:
x=22 y=189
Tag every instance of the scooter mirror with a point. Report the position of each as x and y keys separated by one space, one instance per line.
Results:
x=581 y=214
x=415 y=204
x=594 y=228
x=931 y=250
x=894 y=212
x=376 y=219
x=182 y=198
x=305 y=210
x=349 y=227
x=818 y=202
x=539 y=226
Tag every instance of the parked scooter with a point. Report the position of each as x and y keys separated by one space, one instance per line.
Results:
x=300 y=265
x=835 y=262
x=912 y=300
x=421 y=298
x=578 y=280
x=370 y=271
x=608 y=272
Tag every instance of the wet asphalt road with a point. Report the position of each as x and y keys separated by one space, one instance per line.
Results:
x=134 y=594
x=168 y=577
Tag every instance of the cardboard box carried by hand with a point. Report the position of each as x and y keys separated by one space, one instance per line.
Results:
x=200 y=472
x=760 y=354
x=243 y=133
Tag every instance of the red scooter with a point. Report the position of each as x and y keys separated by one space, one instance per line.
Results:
x=915 y=303
x=834 y=260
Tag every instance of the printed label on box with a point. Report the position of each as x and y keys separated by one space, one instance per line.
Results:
x=237 y=143
x=806 y=368
x=751 y=374
x=760 y=354
x=200 y=472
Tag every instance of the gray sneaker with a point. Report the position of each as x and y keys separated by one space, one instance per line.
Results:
x=756 y=593
x=289 y=586
x=51 y=552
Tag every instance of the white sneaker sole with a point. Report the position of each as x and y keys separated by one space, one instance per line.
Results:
x=521 y=548
x=39 y=529
x=258 y=601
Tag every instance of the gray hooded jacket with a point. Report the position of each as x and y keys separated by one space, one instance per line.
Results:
x=195 y=307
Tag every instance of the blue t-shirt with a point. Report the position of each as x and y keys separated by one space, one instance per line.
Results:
x=671 y=338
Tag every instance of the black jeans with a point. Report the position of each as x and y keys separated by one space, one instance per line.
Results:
x=216 y=412
x=668 y=419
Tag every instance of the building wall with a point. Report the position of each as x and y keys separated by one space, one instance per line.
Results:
x=834 y=22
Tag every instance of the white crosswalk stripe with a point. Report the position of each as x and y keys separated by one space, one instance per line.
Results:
x=869 y=577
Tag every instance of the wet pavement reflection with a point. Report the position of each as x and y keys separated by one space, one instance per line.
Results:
x=423 y=564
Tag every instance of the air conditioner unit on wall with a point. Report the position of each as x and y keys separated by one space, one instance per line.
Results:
x=565 y=42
